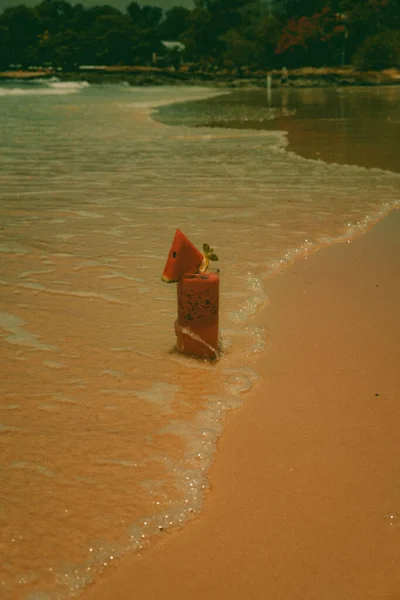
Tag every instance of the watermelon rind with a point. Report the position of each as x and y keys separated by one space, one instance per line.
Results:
x=183 y=257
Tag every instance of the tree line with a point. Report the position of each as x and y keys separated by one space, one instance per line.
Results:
x=216 y=34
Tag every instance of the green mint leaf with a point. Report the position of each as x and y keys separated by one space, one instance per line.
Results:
x=212 y=257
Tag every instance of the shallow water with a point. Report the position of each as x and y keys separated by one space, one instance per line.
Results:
x=106 y=431
x=355 y=125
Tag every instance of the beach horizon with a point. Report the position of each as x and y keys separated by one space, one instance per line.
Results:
x=304 y=77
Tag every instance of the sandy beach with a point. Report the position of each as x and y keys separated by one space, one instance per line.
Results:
x=305 y=498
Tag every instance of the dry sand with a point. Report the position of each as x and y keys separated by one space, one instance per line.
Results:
x=305 y=502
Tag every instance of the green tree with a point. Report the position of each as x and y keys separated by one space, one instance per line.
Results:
x=5 y=47
x=20 y=30
x=64 y=49
x=216 y=32
x=268 y=32
x=117 y=46
x=198 y=38
x=54 y=15
x=380 y=51
x=302 y=8
x=252 y=44
x=239 y=49
x=369 y=18
x=314 y=40
x=175 y=23
x=206 y=37
x=145 y=21
x=145 y=17
x=108 y=39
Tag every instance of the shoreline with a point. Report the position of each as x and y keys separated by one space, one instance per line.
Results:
x=304 y=500
x=127 y=588
x=226 y=552
x=306 y=77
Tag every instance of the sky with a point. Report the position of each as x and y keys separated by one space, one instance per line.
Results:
x=120 y=4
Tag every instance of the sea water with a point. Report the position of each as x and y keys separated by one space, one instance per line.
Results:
x=353 y=125
x=107 y=432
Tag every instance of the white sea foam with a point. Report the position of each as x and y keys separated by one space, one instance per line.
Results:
x=13 y=250
x=7 y=428
x=240 y=380
x=61 y=397
x=82 y=213
x=68 y=85
x=160 y=394
x=41 y=469
x=53 y=364
x=42 y=92
x=67 y=236
x=18 y=334
x=38 y=272
x=76 y=293
x=47 y=88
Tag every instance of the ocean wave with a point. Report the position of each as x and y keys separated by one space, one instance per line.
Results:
x=51 y=87
x=69 y=85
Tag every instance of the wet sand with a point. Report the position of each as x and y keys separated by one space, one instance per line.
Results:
x=305 y=499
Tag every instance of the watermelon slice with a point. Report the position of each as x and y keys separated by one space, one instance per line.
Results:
x=182 y=258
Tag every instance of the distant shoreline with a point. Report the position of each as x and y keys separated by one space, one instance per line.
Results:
x=144 y=76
